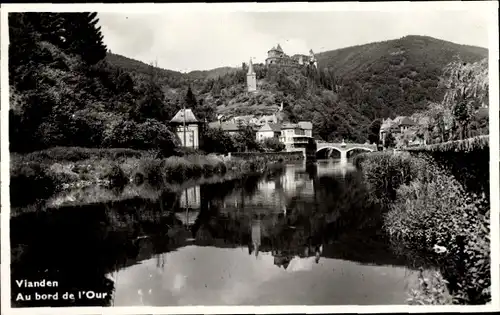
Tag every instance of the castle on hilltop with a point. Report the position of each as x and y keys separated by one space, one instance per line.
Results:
x=276 y=56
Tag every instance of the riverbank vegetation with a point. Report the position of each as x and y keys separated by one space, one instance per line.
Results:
x=45 y=173
x=435 y=218
x=76 y=120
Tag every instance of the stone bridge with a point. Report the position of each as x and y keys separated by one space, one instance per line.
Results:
x=344 y=148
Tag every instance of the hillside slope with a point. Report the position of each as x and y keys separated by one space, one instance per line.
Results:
x=417 y=51
x=352 y=87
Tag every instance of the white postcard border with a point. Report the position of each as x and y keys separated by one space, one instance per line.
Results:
x=492 y=6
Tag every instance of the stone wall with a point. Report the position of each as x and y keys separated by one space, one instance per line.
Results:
x=467 y=160
x=271 y=156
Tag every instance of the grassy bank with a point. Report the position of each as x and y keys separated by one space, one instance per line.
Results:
x=39 y=175
x=431 y=217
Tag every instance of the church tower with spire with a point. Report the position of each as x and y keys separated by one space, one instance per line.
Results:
x=251 y=78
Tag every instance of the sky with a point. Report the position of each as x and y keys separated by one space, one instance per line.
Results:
x=194 y=40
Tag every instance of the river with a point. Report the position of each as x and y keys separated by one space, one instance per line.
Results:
x=306 y=236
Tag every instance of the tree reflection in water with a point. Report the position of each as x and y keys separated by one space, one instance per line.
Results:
x=299 y=214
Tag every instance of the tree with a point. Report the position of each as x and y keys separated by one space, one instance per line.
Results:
x=190 y=99
x=150 y=134
x=405 y=137
x=49 y=26
x=151 y=105
x=82 y=37
x=374 y=131
x=390 y=141
x=467 y=89
x=273 y=145
x=63 y=93
x=24 y=53
x=215 y=140
x=239 y=124
x=245 y=140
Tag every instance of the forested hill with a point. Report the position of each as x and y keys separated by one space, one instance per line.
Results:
x=353 y=86
x=67 y=90
x=421 y=52
x=172 y=78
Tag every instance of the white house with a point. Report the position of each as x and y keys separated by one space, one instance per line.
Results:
x=246 y=120
x=399 y=125
x=272 y=119
x=190 y=135
x=307 y=127
x=296 y=135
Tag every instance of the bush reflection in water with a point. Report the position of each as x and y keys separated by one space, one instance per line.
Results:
x=305 y=212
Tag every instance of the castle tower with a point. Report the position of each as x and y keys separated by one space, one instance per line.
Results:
x=251 y=78
x=312 y=59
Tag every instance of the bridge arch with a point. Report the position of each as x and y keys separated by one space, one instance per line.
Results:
x=324 y=152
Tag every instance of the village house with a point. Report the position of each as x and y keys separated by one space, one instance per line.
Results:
x=229 y=127
x=272 y=119
x=294 y=136
x=405 y=123
x=187 y=128
x=246 y=120
x=269 y=130
x=397 y=125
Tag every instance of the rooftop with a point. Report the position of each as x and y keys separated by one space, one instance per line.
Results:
x=189 y=117
x=226 y=126
x=250 y=68
x=396 y=122
x=275 y=127
x=405 y=121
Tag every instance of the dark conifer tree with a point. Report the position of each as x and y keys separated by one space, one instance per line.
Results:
x=374 y=130
x=22 y=46
x=83 y=37
x=190 y=99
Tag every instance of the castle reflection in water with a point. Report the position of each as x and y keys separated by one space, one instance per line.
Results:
x=264 y=211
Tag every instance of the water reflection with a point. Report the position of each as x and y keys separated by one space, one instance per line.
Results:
x=308 y=235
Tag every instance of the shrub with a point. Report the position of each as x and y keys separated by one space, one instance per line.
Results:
x=428 y=207
x=431 y=290
x=181 y=168
x=245 y=141
x=177 y=169
x=116 y=176
x=152 y=171
x=150 y=134
x=384 y=172
x=183 y=151
x=74 y=154
x=441 y=213
x=29 y=182
x=273 y=145
x=216 y=140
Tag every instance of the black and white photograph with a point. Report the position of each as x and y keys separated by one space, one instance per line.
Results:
x=224 y=155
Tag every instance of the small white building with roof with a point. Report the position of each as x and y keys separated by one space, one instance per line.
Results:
x=187 y=128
